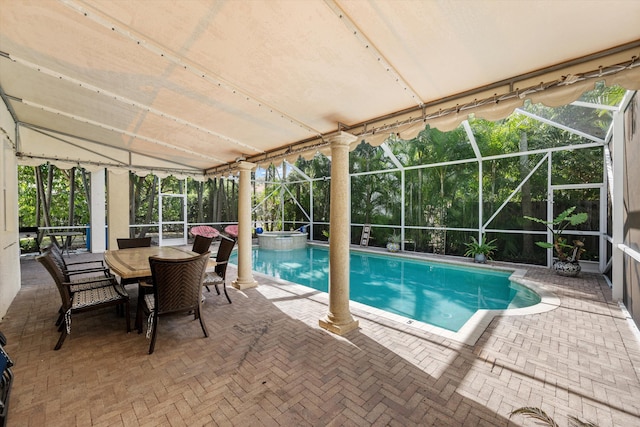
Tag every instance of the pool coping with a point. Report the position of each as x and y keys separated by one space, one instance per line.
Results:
x=472 y=329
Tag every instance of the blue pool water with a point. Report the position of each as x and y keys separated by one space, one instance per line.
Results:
x=443 y=295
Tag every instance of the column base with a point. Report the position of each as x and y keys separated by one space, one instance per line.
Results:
x=338 y=329
x=244 y=284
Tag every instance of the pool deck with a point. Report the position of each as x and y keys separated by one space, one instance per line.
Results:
x=268 y=363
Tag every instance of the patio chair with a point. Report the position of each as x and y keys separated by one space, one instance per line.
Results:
x=177 y=288
x=80 y=279
x=128 y=243
x=134 y=242
x=232 y=230
x=201 y=244
x=112 y=294
x=218 y=276
x=204 y=230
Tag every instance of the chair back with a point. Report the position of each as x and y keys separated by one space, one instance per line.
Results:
x=58 y=258
x=177 y=283
x=204 y=230
x=201 y=244
x=224 y=252
x=136 y=242
x=47 y=259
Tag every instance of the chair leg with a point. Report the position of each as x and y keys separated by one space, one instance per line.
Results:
x=154 y=332
x=60 y=317
x=139 y=306
x=126 y=315
x=217 y=289
x=204 y=327
x=224 y=288
x=63 y=335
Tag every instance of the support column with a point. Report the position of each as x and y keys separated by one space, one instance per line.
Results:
x=98 y=211
x=117 y=207
x=245 y=273
x=339 y=320
x=617 y=208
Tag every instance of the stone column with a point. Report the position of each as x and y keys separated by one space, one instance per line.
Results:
x=339 y=320
x=245 y=274
x=117 y=207
x=98 y=211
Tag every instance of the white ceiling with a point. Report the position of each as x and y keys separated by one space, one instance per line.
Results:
x=193 y=85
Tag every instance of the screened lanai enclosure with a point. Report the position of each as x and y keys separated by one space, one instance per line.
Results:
x=433 y=191
x=437 y=189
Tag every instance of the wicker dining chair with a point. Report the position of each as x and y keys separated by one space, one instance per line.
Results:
x=82 y=278
x=177 y=288
x=111 y=293
x=128 y=243
x=134 y=242
x=218 y=276
x=201 y=244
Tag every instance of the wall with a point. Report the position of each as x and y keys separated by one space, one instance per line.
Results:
x=631 y=295
x=9 y=241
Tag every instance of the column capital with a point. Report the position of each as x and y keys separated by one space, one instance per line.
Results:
x=246 y=166
x=340 y=138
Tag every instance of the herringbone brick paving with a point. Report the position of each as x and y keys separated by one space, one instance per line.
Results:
x=267 y=363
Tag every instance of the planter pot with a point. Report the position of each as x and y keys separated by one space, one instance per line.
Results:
x=480 y=258
x=567 y=269
x=393 y=247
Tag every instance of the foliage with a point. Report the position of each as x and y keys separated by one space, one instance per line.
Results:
x=61 y=207
x=28 y=245
x=539 y=415
x=394 y=238
x=565 y=251
x=481 y=247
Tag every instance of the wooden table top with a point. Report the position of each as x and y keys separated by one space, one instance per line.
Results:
x=134 y=262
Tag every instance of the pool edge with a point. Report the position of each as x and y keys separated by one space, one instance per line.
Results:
x=472 y=329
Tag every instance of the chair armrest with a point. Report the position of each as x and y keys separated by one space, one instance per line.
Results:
x=104 y=270
x=87 y=262
x=110 y=278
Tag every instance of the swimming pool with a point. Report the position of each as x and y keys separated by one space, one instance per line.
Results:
x=443 y=295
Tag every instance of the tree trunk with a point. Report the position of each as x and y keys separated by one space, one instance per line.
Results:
x=151 y=197
x=527 y=238
x=87 y=190
x=200 y=202
x=72 y=195
x=213 y=196
x=72 y=202
x=134 y=196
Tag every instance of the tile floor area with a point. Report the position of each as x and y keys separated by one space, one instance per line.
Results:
x=267 y=363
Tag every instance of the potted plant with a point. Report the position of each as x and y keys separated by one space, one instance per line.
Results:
x=393 y=242
x=481 y=250
x=568 y=254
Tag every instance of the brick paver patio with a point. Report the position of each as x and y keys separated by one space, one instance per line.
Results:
x=268 y=363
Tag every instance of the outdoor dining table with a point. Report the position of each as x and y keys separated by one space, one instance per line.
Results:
x=133 y=263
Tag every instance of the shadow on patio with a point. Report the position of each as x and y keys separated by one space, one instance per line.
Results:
x=267 y=362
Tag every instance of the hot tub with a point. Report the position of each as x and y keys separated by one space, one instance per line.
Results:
x=282 y=240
